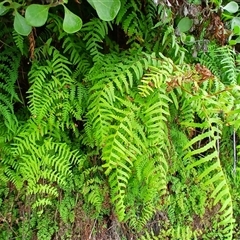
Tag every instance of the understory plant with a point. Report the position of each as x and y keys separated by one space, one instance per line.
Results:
x=118 y=121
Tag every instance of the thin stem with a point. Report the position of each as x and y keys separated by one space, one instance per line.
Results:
x=234 y=152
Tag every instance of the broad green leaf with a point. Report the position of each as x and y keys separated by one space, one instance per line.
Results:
x=91 y=3
x=71 y=23
x=231 y=7
x=3 y=9
x=237 y=40
x=106 y=9
x=20 y=25
x=232 y=42
x=185 y=24
x=236 y=30
x=235 y=22
x=189 y=40
x=36 y=14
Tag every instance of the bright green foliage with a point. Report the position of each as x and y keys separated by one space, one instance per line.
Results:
x=120 y=128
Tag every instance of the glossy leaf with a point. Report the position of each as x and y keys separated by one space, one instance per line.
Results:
x=235 y=22
x=71 y=23
x=236 y=30
x=36 y=14
x=231 y=7
x=3 y=9
x=20 y=25
x=106 y=9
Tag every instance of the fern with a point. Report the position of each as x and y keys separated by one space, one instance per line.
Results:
x=208 y=157
x=136 y=25
x=119 y=154
x=77 y=53
x=95 y=31
x=122 y=139
x=146 y=198
x=120 y=125
x=52 y=86
x=221 y=61
x=94 y=189
x=41 y=161
x=19 y=41
x=9 y=64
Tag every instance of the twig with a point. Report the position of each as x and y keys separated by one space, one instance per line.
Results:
x=92 y=229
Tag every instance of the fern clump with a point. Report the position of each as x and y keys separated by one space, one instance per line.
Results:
x=119 y=129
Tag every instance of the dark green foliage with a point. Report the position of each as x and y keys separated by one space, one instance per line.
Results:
x=9 y=64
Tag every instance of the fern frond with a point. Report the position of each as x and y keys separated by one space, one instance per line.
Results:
x=136 y=25
x=171 y=47
x=9 y=64
x=183 y=232
x=95 y=31
x=93 y=187
x=121 y=137
x=19 y=41
x=41 y=161
x=228 y=65
x=221 y=193
x=119 y=154
x=77 y=54
x=145 y=189
x=126 y=6
x=222 y=62
x=99 y=110
x=53 y=93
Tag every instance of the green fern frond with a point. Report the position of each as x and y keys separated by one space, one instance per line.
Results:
x=183 y=232
x=93 y=187
x=221 y=193
x=171 y=47
x=52 y=87
x=95 y=32
x=9 y=64
x=228 y=65
x=151 y=11
x=41 y=161
x=155 y=78
x=19 y=41
x=145 y=189
x=126 y=8
x=122 y=138
x=99 y=110
x=43 y=202
x=77 y=54
x=119 y=154
x=222 y=62
x=130 y=25
x=136 y=25
x=233 y=115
